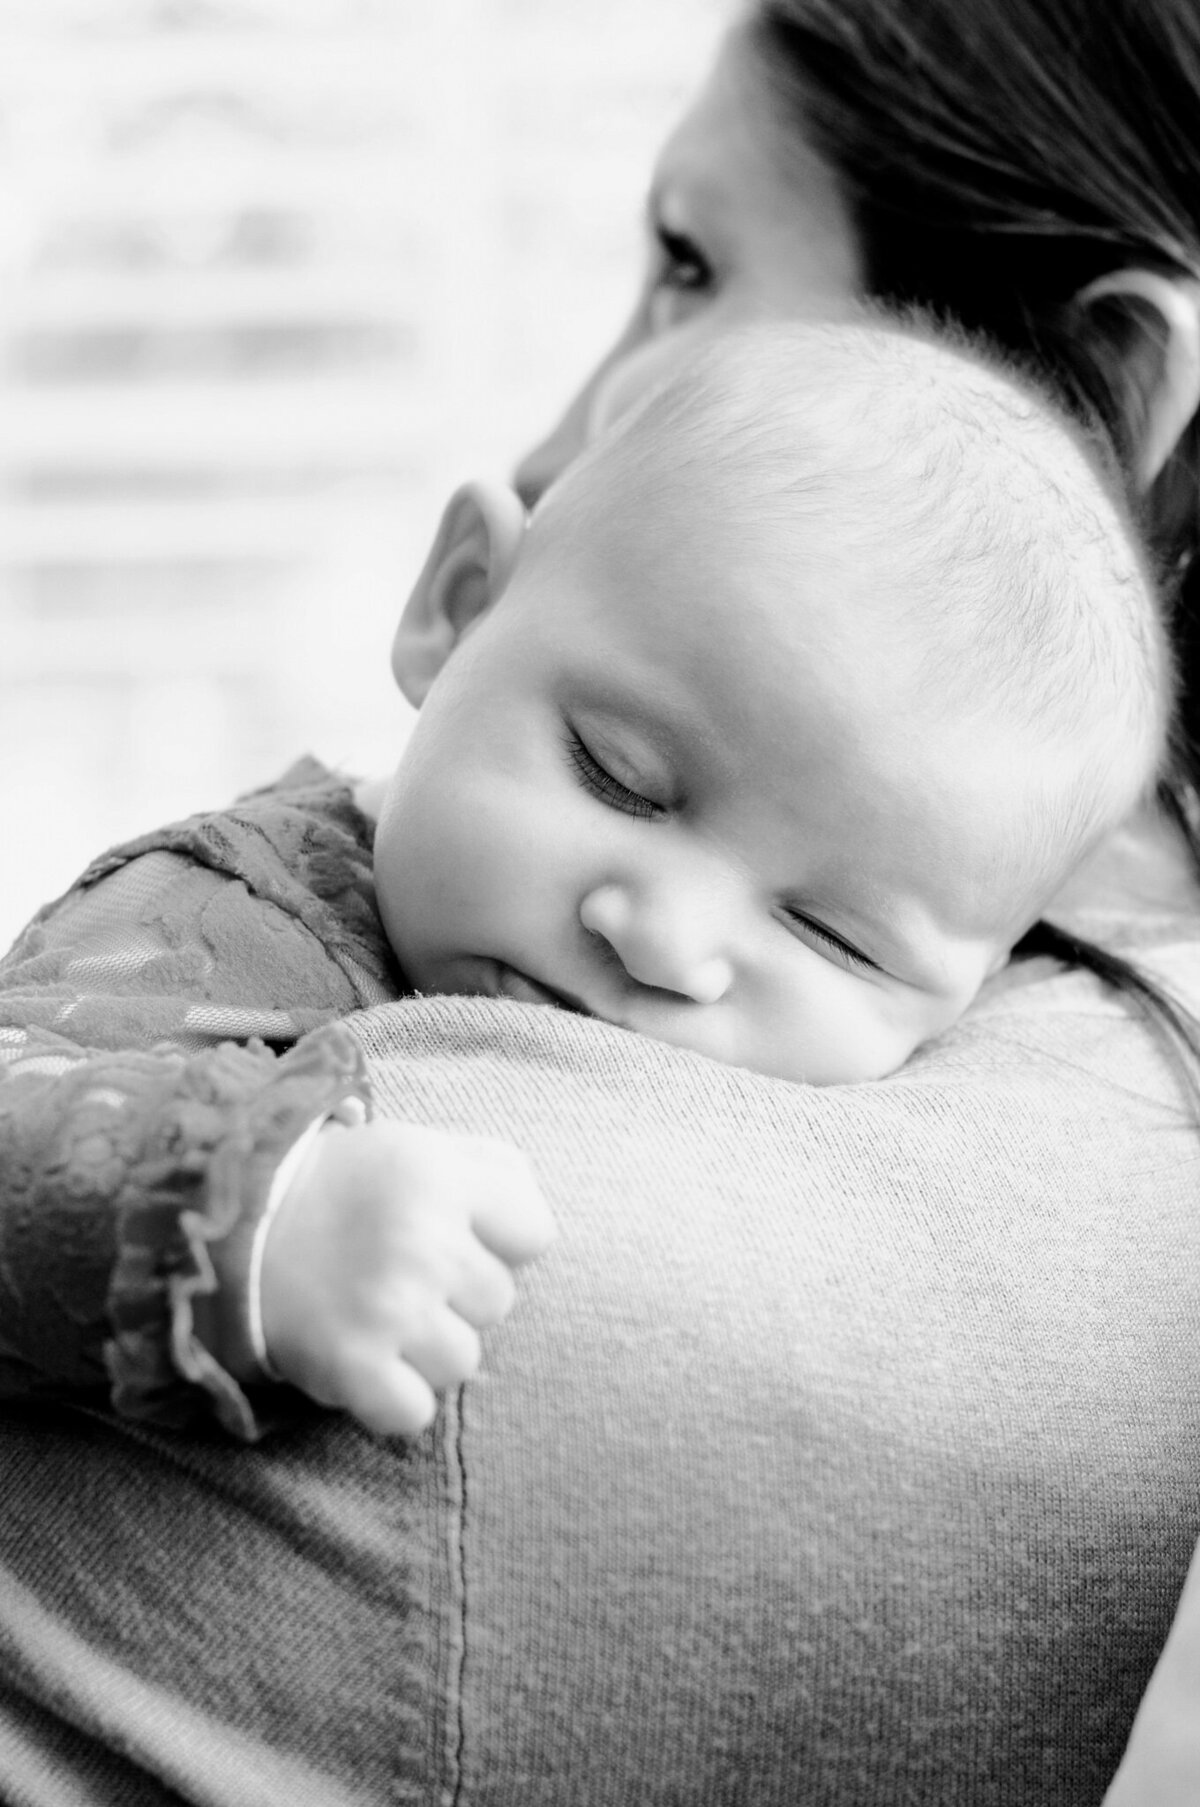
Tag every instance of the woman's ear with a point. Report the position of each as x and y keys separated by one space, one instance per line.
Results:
x=1156 y=319
x=471 y=560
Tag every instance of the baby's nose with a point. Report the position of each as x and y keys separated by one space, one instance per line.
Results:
x=668 y=948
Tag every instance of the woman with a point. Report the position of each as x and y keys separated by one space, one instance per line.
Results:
x=1030 y=169
x=492 y=1612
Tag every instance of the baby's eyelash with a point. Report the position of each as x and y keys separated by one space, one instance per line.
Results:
x=600 y=782
x=845 y=951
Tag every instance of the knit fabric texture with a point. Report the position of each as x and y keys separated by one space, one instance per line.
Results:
x=844 y=1449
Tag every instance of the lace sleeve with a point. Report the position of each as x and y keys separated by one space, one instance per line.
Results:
x=148 y=1089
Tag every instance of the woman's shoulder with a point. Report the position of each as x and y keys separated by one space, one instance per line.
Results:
x=1139 y=896
x=1138 y=882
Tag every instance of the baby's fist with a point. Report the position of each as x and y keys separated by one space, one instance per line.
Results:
x=393 y=1247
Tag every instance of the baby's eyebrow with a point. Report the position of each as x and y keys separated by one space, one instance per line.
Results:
x=638 y=704
x=643 y=734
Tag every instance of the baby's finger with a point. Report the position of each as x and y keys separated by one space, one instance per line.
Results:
x=445 y=1351
x=484 y=1291
x=511 y=1216
x=388 y=1397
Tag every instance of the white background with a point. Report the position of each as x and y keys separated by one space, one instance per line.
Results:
x=274 y=276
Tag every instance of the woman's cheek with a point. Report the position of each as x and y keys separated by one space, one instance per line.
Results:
x=649 y=362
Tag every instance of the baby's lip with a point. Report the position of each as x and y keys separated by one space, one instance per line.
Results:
x=525 y=990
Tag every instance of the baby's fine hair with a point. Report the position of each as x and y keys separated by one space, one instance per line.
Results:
x=1004 y=547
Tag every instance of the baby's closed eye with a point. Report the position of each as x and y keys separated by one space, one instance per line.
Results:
x=596 y=778
x=836 y=945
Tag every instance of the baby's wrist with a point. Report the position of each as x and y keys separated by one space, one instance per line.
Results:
x=229 y=1322
x=349 y=1112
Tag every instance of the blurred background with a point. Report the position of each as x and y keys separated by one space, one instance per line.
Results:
x=275 y=275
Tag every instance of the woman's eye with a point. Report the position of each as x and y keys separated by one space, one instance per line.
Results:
x=599 y=781
x=681 y=263
x=844 y=952
x=680 y=278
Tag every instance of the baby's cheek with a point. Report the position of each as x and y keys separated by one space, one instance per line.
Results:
x=513 y=844
x=838 y=1030
x=424 y=857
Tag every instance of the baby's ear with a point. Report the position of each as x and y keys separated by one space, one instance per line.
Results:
x=469 y=563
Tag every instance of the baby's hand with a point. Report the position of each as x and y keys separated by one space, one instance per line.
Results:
x=391 y=1249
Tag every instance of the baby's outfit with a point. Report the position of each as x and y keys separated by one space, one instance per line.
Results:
x=168 y=1030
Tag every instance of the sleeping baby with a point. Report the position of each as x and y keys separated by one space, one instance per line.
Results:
x=770 y=734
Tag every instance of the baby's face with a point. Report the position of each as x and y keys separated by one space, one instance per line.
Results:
x=648 y=787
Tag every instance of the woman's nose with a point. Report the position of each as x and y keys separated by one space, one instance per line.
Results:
x=669 y=943
x=548 y=459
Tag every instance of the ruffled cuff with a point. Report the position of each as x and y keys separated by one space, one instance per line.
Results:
x=206 y=1182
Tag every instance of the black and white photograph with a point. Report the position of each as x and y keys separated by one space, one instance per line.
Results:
x=600 y=924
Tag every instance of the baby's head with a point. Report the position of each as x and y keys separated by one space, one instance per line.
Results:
x=785 y=715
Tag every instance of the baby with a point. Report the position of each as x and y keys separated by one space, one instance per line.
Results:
x=784 y=717
x=769 y=735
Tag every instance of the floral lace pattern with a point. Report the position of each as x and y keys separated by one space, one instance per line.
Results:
x=167 y=1030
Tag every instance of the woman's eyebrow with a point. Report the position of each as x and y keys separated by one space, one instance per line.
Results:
x=656 y=203
x=677 y=177
x=666 y=190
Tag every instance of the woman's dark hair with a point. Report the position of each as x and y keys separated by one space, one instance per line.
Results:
x=998 y=156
